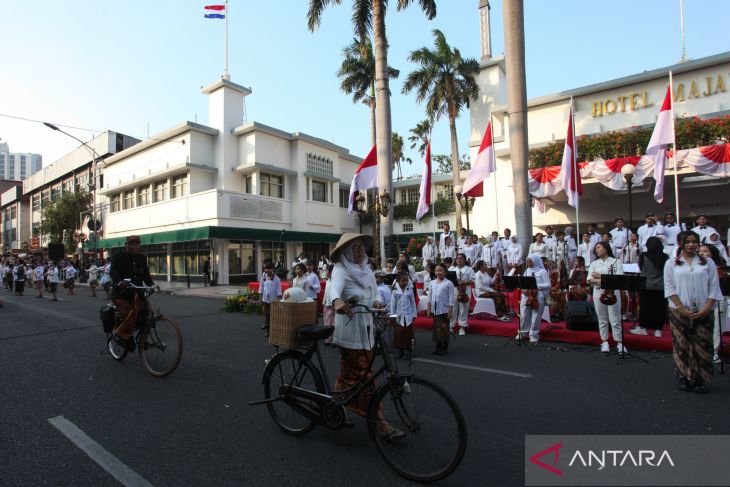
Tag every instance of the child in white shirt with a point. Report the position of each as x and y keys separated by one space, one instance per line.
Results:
x=403 y=304
x=270 y=291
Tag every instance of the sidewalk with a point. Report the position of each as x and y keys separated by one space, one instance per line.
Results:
x=197 y=290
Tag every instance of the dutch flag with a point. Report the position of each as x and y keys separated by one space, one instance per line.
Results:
x=215 y=11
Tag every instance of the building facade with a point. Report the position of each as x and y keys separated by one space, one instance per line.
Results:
x=233 y=193
x=16 y=165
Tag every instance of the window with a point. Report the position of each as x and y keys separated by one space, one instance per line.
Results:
x=68 y=186
x=272 y=252
x=179 y=186
x=344 y=198
x=446 y=192
x=45 y=198
x=319 y=165
x=241 y=258
x=440 y=224
x=247 y=184
x=128 y=199
x=55 y=193
x=271 y=185
x=36 y=231
x=116 y=200
x=13 y=212
x=409 y=195
x=36 y=199
x=82 y=182
x=408 y=227
x=319 y=191
x=143 y=195
x=160 y=190
x=156 y=258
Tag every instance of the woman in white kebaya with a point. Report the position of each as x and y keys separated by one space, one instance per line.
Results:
x=606 y=263
x=531 y=317
x=514 y=256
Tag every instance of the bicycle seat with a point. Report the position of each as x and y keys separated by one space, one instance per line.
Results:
x=314 y=332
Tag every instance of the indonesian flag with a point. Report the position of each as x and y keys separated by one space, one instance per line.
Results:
x=484 y=165
x=366 y=177
x=662 y=136
x=571 y=178
x=424 y=201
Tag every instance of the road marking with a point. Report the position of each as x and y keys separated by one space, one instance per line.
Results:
x=122 y=473
x=472 y=367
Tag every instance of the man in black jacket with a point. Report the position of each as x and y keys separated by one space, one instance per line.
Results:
x=129 y=264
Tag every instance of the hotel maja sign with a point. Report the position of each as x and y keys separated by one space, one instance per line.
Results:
x=708 y=86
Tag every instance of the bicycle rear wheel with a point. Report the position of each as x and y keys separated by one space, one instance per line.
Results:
x=161 y=346
x=117 y=351
x=434 y=431
x=287 y=368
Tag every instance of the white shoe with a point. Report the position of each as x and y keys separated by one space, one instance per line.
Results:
x=534 y=340
x=504 y=318
x=605 y=348
x=639 y=330
x=716 y=359
x=462 y=332
x=658 y=333
x=620 y=348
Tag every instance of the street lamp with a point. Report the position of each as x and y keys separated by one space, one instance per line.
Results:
x=384 y=203
x=458 y=191
x=628 y=171
x=94 y=156
x=361 y=206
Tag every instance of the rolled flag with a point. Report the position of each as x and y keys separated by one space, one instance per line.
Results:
x=215 y=11
x=484 y=165
x=424 y=201
x=366 y=177
x=662 y=136
x=571 y=176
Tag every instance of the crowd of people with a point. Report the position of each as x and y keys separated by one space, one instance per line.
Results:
x=39 y=276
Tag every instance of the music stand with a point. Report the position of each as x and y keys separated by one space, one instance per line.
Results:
x=512 y=283
x=625 y=282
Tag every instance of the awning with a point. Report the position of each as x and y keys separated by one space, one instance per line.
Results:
x=227 y=233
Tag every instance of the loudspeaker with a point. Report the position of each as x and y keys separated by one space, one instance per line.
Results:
x=581 y=315
x=56 y=251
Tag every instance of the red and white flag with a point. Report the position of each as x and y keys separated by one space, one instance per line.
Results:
x=366 y=177
x=662 y=136
x=571 y=176
x=484 y=165
x=424 y=201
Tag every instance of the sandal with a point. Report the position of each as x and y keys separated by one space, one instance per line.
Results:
x=391 y=433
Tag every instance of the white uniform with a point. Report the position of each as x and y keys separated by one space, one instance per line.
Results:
x=442 y=296
x=606 y=314
x=465 y=273
x=530 y=318
x=704 y=232
x=619 y=238
x=491 y=254
x=428 y=253
x=671 y=230
x=403 y=304
x=470 y=252
x=449 y=251
x=442 y=238
x=645 y=231
x=585 y=250
x=542 y=249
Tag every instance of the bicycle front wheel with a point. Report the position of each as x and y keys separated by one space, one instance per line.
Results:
x=161 y=347
x=115 y=350
x=290 y=369
x=418 y=429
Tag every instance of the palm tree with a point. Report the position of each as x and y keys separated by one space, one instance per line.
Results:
x=367 y=16
x=421 y=136
x=358 y=76
x=398 y=156
x=447 y=83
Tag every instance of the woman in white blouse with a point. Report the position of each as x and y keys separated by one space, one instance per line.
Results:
x=585 y=249
x=485 y=281
x=490 y=253
x=606 y=263
x=441 y=306
x=300 y=278
x=530 y=318
x=692 y=286
x=514 y=256
x=539 y=247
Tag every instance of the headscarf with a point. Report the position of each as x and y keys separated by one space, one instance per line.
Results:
x=536 y=264
x=360 y=273
x=655 y=252
x=490 y=240
x=717 y=243
x=512 y=244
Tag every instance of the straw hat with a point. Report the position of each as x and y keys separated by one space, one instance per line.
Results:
x=346 y=239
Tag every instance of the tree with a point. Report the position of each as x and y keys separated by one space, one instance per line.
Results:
x=367 y=16
x=447 y=83
x=421 y=136
x=443 y=162
x=398 y=156
x=62 y=218
x=358 y=76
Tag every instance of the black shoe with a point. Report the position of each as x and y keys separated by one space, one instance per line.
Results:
x=684 y=385
x=699 y=387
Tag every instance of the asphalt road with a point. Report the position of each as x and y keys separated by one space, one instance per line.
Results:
x=195 y=427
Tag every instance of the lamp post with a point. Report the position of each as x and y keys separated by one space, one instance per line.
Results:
x=94 y=157
x=459 y=196
x=628 y=171
x=361 y=206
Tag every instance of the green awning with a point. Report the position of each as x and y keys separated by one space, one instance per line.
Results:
x=226 y=233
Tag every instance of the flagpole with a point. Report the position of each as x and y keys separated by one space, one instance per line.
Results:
x=575 y=173
x=674 y=142
x=496 y=196
x=226 y=75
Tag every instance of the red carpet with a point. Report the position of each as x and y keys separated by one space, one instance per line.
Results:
x=558 y=332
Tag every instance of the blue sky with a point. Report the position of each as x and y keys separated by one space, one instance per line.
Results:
x=103 y=64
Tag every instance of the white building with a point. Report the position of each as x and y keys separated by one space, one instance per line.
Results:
x=700 y=89
x=238 y=194
x=17 y=165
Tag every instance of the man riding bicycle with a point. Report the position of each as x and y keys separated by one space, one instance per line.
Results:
x=129 y=264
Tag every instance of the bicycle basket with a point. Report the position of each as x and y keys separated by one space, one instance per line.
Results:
x=106 y=314
x=286 y=318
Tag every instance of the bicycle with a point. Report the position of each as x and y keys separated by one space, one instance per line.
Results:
x=158 y=339
x=298 y=397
